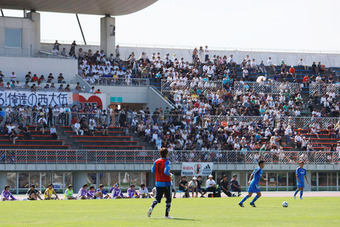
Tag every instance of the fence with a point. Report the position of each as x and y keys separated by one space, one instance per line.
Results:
x=267 y=87
x=323 y=89
x=30 y=117
x=203 y=86
x=110 y=81
x=148 y=157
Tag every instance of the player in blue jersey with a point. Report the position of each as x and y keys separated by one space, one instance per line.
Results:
x=254 y=185
x=300 y=179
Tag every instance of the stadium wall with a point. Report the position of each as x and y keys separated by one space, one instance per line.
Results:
x=21 y=65
x=291 y=58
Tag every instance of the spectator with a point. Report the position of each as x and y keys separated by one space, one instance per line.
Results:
x=53 y=132
x=72 y=52
x=101 y=193
x=56 y=45
x=225 y=186
x=183 y=187
x=13 y=76
x=68 y=195
x=234 y=186
x=63 y=53
x=193 y=187
x=77 y=129
x=91 y=194
x=32 y=193
x=42 y=124
x=210 y=184
x=199 y=186
x=27 y=133
x=82 y=193
x=132 y=193
x=6 y=194
x=143 y=191
x=61 y=78
x=117 y=192
x=49 y=192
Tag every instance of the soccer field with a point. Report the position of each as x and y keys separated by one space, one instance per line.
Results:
x=312 y=211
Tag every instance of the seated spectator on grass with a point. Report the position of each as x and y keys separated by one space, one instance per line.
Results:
x=183 y=187
x=225 y=186
x=53 y=132
x=143 y=191
x=49 y=192
x=68 y=195
x=33 y=194
x=210 y=184
x=132 y=193
x=6 y=194
x=193 y=187
x=234 y=186
x=82 y=193
x=117 y=192
x=91 y=193
x=101 y=193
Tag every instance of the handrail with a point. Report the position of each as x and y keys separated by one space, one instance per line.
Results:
x=12 y=156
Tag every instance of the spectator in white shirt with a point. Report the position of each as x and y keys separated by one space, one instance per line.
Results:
x=77 y=129
x=13 y=76
x=143 y=191
x=298 y=141
x=53 y=132
x=269 y=61
x=210 y=184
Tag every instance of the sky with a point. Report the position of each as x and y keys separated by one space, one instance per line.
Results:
x=299 y=25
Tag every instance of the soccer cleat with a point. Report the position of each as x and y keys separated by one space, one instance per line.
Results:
x=241 y=204
x=169 y=217
x=252 y=204
x=294 y=197
x=301 y=198
x=150 y=212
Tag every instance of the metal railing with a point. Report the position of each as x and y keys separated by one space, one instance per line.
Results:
x=148 y=157
x=317 y=89
x=267 y=87
x=133 y=82
x=210 y=85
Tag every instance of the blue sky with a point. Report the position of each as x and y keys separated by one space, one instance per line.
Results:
x=246 y=24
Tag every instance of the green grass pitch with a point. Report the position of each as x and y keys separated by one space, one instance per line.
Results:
x=312 y=211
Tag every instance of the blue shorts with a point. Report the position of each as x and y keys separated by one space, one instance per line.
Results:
x=300 y=184
x=254 y=188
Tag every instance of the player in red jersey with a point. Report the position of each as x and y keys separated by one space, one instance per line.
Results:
x=161 y=168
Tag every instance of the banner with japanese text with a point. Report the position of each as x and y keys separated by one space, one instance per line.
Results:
x=27 y=98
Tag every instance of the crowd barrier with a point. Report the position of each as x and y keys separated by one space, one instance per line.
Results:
x=148 y=157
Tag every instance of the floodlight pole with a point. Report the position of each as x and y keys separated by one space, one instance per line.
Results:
x=81 y=30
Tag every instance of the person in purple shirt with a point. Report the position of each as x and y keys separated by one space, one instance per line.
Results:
x=132 y=193
x=6 y=195
x=101 y=193
x=116 y=192
x=91 y=193
x=82 y=193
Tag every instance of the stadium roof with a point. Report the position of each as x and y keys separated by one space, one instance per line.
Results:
x=97 y=7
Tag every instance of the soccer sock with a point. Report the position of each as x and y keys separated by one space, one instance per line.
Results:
x=301 y=193
x=256 y=198
x=296 y=192
x=154 y=203
x=167 y=210
x=244 y=199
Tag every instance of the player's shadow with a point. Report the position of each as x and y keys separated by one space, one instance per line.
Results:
x=181 y=219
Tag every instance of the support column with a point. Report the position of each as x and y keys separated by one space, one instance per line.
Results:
x=3 y=180
x=79 y=179
x=308 y=187
x=35 y=17
x=108 y=35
